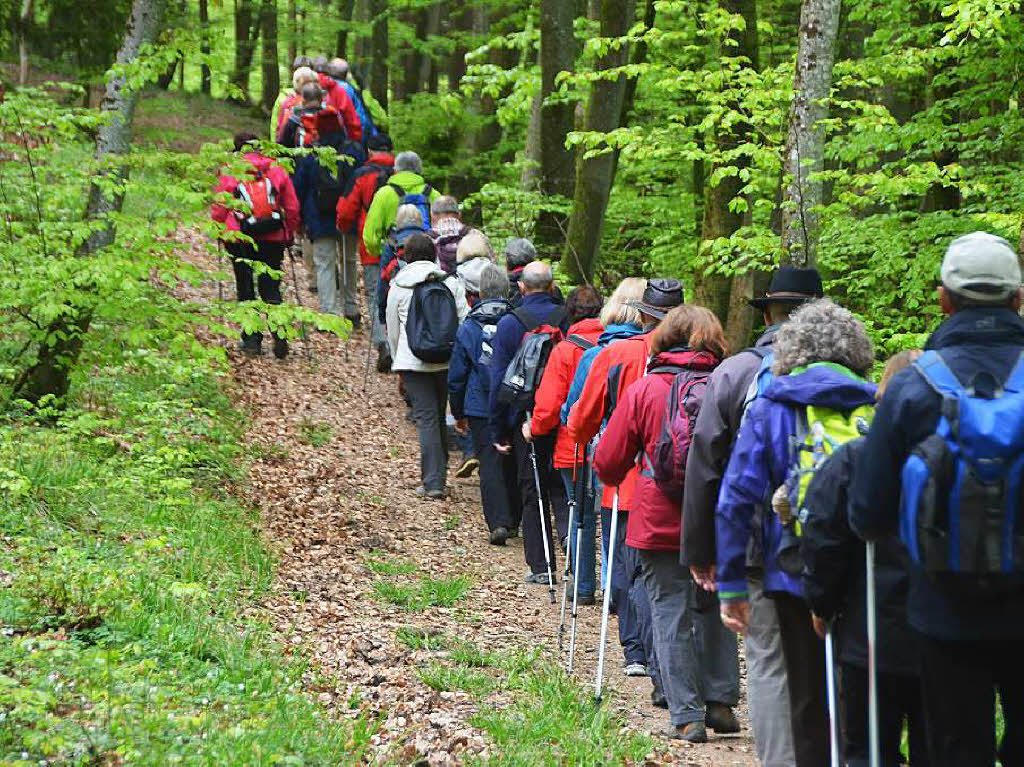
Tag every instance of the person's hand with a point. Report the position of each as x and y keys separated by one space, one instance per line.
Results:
x=503 y=449
x=820 y=627
x=736 y=615
x=462 y=425
x=704 y=576
x=527 y=431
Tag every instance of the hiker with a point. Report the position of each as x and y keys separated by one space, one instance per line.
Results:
x=728 y=394
x=966 y=598
x=405 y=187
x=309 y=119
x=408 y=221
x=613 y=369
x=337 y=70
x=697 y=657
x=425 y=382
x=301 y=74
x=537 y=308
x=821 y=355
x=835 y=585
x=472 y=256
x=583 y=307
x=447 y=230
x=351 y=211
x=269 y=214
x=338 y=99
x=469 y=388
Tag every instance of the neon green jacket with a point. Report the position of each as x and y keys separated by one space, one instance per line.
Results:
x=384 y=207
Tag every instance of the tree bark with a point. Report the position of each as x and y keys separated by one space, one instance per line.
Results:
x=428 y=64
x=205 y=76
x=59 y=350
x=269 y=65
x=247 y=29
x=345 y=10
x=594 y=175
x=462 y=25
x=24 y=22
x=805 y=142
x=379 y=51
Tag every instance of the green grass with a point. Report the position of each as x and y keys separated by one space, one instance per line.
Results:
x=422 y=639
x=428 y=592
x=313 y=433
x=181 y=122
x=390 y=566
x=444 y=678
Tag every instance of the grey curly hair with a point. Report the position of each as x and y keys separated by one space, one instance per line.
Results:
x=822 y=331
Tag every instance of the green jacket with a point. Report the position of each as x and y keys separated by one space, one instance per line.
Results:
x=384 y=207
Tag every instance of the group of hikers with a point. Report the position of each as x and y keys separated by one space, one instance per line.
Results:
x=865 y=540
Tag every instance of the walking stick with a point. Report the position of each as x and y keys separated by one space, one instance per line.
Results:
x=344 y=277
x=582 y=507
x=220 y=285
x=298 y=298
x=543 y=521
x=874 y=752
x=568 y=559
x=607 y=598
x=830 y=689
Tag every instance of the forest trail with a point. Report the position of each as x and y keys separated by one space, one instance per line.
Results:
x=333 y=472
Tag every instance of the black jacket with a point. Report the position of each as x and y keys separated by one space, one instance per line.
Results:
x=834 y=572
x=972 y=341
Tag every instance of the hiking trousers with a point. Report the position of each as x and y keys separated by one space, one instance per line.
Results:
x=428 y=393
x=697 y=656
x=533 y=540
x=371 y=276
x=348 y=274
x=325 y=265
x=959 y=683
x=247 y=282
x=805 y=672
x=767 y=688
x=588 y=554
x=497 y=474
x=899 y=698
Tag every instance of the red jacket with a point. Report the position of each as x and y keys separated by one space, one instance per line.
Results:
x=655 y=519
x=282 y=186
x=339 y=99
x=285 y=112
x=352 y=209
x=554 y=389
x=623 y=361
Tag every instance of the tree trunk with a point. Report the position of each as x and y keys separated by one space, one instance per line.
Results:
x=379 y=51
x=594 y=175
x=59 y=350
x=557 y=163
x=531 y=171
x=163 y=82
x=345 y=10
x=24 y=22
x=269 y=65
x=247 y=29
x=462 y=25
x=205 y=76
x=805 y=142
x=293 y=32
x=428 y=64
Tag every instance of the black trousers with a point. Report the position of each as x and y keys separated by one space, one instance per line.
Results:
x=551 y=489
x=959 y=683
x=499 y=485
x=805 y=671
x=246 y=282
x=899 y=699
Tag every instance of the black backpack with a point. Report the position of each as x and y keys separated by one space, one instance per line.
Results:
x=329 y=189
x=432 y=321
x=525 y=371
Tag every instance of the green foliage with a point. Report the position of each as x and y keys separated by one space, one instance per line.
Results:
x=428 y=592
x=390 y=566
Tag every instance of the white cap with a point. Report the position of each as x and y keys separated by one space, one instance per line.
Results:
x=982 y=267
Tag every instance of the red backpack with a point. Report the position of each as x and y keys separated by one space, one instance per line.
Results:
x=264 y=214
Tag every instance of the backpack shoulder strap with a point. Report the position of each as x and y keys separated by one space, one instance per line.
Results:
x=398 y=190
x=1015 y=381
x=581 y=342
x=526 y=317
x=937 y=374
x=557 y=317
x=426 y=190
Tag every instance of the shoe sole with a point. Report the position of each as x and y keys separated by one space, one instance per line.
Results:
x=467 y=469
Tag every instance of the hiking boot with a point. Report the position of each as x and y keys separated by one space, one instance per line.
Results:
x=720 y=718
x=513 y=532
x=437 y=495
x=251 y=346
x=467 y=467
x=658 y=699
x=355 y=319
x=280 y=348
x=588 y=599
x=383 y=359
x=539 y=578
x=421 y=492
x=694 y=732
x=498 y=536
x=635 y=669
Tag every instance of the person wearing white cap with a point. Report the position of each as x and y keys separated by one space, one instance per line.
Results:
x=946 y=448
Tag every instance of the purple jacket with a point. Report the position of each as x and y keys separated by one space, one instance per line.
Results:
x=759 y=464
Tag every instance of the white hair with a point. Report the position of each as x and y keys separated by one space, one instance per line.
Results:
x=409 y=161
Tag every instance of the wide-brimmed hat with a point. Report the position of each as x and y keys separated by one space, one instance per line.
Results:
x=790 y=285
x=660 y=297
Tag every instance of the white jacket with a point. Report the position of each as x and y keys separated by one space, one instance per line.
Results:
x=399 y=299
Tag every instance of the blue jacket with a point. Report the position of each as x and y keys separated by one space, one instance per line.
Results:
x=759 y=464
x=469 y=384
x=972 y=341
x=307 y=171
x=611 y=333
x=507 y=339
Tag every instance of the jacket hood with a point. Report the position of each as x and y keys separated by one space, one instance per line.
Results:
x=259 y=162
x=586 y=327
x=616 y=332
x=490 y=310
x=381 y=158
x=409 y=181
x=685 y=358
x=413 y=274
x=825 y=384
x=979 y=326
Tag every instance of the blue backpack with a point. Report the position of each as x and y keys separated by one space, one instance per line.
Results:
x=764 y=375
x=365 y=120
x=421 y=200
x=960 y=512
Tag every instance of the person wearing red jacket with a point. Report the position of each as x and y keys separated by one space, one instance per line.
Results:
x=339 y=99
x=352 y=209
x=699 y=669
x=267 y=248
x=583 y=305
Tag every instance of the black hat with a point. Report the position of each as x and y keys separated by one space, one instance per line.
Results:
x=790 y=285
x=660 y=296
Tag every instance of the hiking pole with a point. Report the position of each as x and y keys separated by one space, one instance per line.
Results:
x=830 y=690
x=582 y=506
x=874 y=752
x=568 y=559
x=540 y=511
x=298 y=298
x=607 y=601
x=344 y=277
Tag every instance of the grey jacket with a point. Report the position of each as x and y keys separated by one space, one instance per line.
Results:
x=717 y=425
x=399 y=300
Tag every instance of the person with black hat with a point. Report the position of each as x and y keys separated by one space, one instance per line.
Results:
x=729 y=391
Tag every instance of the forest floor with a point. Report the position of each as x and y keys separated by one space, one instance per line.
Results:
x=419 y=624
